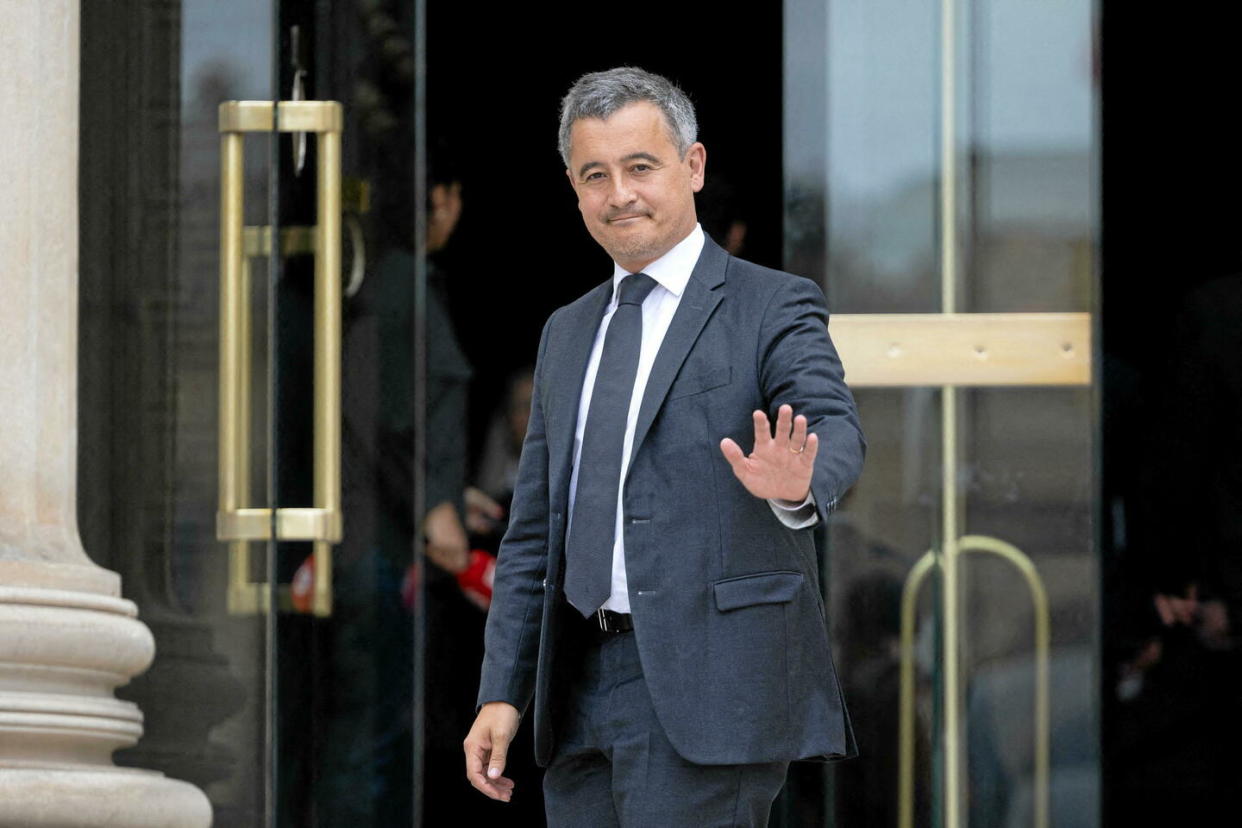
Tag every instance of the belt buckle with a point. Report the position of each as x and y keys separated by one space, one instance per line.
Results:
x=602 y=619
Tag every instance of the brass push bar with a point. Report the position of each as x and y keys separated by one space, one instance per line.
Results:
x=236 y=521
x=898 y=350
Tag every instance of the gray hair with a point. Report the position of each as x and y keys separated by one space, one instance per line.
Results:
x=600 y=94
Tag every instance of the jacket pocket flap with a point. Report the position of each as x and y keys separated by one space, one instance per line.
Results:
x=697 y=384
x=760 y=588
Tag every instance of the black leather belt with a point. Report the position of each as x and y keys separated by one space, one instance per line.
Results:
x=613 y=622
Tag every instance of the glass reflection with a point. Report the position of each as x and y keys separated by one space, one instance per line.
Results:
x=227 y=54
x=152 y=77
x=866 y=81
x=883 y=528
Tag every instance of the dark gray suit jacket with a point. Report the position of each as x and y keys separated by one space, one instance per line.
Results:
x=726 y=600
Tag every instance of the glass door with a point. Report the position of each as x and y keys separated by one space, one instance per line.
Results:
x=347 y=286
x=260 y=307
x=941 y=183
x=342 y=262
x=176 y=412
x=253 y=309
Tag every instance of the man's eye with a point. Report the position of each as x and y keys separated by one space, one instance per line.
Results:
x=641 y=167
x=595 y=176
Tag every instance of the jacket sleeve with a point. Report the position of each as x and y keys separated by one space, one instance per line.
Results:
x=511 y=638
x=798 y=365
x=448 y=378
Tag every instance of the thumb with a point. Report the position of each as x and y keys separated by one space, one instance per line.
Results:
x=732 y=452
x=496 y=765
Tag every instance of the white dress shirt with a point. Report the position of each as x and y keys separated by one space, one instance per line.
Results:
x=671 y=272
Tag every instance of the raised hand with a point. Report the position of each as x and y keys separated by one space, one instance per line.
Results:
x=781 y=465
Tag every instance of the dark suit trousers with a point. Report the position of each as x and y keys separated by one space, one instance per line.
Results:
x=615 y=767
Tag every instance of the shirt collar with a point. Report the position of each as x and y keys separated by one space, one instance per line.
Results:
x=672 y=270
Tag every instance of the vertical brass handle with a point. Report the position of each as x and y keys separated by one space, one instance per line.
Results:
x=232 y=300
x=237 y=522
x=1043 y=638
x=327 y=351
x=906 y=727
x=234 y=411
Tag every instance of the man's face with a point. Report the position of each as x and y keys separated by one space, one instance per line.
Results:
x=635 y=193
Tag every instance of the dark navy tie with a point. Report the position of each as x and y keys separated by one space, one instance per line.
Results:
x=588 y=558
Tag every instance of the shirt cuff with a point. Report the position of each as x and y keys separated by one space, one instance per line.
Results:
x=795 y=515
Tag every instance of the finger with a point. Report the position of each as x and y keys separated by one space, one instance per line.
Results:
x=500 y=788
x=490 y=507
x=763 y=431
x=1186 y=611
x=476 y=757
x=812 y=448
x=797 y=440
x=785 y=420
x=1165 y=613
x=501 y=785
x=733 y=453
x=478 y=524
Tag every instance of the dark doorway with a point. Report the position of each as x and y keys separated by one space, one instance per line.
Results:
x=1172 y=361
x=494 y=83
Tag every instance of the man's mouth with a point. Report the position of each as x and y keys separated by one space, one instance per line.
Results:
x=625 y=217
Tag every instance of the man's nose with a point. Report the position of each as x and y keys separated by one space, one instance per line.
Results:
x=621 y=194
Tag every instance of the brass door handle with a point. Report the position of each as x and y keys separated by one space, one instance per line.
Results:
x=237 y=521
x=1042 y=693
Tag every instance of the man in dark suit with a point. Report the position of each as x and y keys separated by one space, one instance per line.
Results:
x=657 y=591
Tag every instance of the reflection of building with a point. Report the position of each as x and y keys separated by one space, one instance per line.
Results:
x=942 y=203
x=1027 y=224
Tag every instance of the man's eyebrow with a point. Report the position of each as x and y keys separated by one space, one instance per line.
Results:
x=583 y=169
x=641 y=156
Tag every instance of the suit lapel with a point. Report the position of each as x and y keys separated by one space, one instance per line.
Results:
x=703 y=293
x=571 y=350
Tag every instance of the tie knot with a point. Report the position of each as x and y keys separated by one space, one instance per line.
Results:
x=634 y=289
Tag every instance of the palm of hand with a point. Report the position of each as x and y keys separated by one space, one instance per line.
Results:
x=781 y=465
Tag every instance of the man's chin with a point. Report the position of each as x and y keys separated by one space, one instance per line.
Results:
x=633 y=250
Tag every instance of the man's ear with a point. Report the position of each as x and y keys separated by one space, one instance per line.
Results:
x=696 y=157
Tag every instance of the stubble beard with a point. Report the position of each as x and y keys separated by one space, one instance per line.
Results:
x=632 y=250
x=637 y=248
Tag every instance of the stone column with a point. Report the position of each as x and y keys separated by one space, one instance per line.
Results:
x=67 y=638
